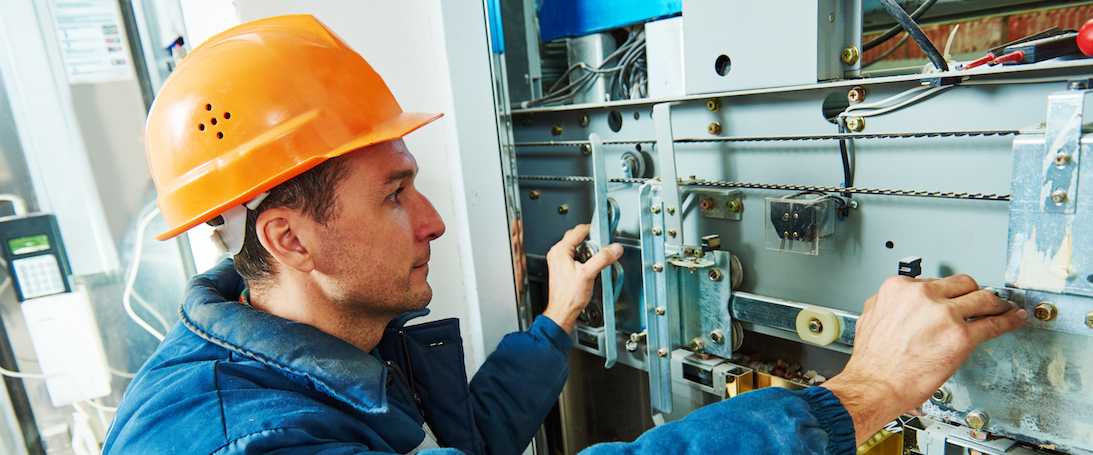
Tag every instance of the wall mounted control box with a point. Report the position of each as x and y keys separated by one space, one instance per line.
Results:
x=35 y=255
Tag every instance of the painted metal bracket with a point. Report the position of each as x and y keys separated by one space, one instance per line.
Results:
x=1059 y=189
x=782 y=314
x=666 y=164
x=658 y=308
x=600 y=232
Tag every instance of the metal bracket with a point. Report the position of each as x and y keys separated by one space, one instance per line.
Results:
x=666 y=164
x=600 y=232
x=782 y=314
x=1059 y=191
x=657 y=307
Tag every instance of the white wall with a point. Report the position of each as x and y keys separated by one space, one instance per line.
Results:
x=435 y=58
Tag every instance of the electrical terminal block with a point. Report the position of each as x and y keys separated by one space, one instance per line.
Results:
x=800 y=223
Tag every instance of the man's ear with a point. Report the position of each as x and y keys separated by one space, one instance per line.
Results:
x=285 y=234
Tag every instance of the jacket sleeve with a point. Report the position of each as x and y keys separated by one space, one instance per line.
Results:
x=518 y=385
x=771 y=420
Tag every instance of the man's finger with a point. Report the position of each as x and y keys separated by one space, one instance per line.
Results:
x=991 y=327
x=575 y=236
x=980 y=303
x=955 y=286
x=603 y=258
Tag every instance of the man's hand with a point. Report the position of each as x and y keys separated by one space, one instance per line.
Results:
x=571 y=281
x=910 y=339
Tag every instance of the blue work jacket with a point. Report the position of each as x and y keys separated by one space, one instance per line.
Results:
x=233 y=379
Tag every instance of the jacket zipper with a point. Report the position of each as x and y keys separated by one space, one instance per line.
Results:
x=407 y=380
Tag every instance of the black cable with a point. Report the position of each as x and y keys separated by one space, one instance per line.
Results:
x=888 y=52
x=848 y=176
x=892 y=32
x=913 y=29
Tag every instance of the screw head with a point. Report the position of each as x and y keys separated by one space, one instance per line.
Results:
x=855 y=124
x=794 y=234
x=671 y=209
x=657 y=231
x=713 y=105
x=563 y=209
x=556 y=130
x=585 y=148
x=977 y=419
x=534 y=194
x=1089 y=319
x=850 y=55
x=785 y=216
x=831 y=17
x=655 y=209
x=734 y=205
x=527 y=121
x=672 y=232
x=583 y=120
x=815 y=326
x=660 y=311
x=706 y=204
x=856 y=95
x=796 y=216
x=1045 y=311
x=658 y=268
x=717 y=337
x=1058 y=196
x=715 y=274
x=697 y=344
x=714 y=128
x=1062 y=159
x=942 y=396
x=662 y=352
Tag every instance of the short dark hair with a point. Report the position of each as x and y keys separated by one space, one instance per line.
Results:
x=311 y=193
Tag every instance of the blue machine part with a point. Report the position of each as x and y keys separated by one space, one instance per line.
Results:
x=562 y=18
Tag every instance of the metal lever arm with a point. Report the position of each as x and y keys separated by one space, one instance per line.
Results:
x=601 y=233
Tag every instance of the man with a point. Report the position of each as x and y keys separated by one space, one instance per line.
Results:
x=286 y=140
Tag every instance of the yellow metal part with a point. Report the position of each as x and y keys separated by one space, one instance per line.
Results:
x=883 y=443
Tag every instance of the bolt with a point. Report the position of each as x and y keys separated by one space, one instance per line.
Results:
x=850 y=55
x=657 y=231
x=636 y=337
x=662 y=352
x=714 y=128
x=655 y=209
x=785 y=234
x=583 y=120
x=697 y=344
x=831 y=17
x=815 y=326
x=1058 y=196
x=794 y=234
x=785 y=216
x=1062 y=159
x=556 y=130
x=660 y=311
x=563 y=209
x=1045 y=311
x=734 y=205
x=706 y=204
x=717 y=337
x=856 y=95
x=671 y=210
x=534 y=194
x=1078 y=84
x=713 y=105
x=1089 y=319
x=942 y=396
x=715 y=274
x=586 y=149
x=527 y=121
x=977 y=419
x=672 y=232
x=658 y=268
x=795 y=216
x=855 y=124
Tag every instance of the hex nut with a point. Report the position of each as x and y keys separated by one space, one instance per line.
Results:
x=1045 y=311
x=716 y=275
x=942 y=396
x=734 y=205
x=662 y=352
x=815 y=326
x=672 y=232
x=697 y=344
x=977 y=420
x=556 y=130
x=534 y=194
x=717 y=337
x=586 y=149
x=658 y=268
x=714 y=128
x=584 y=120
x=655 y=209
x=713 y=105
x=657 y=231
x=671 y=210
x=1089 y=319
x=563 y=209
x=1058 y=196
x=660 y=311
x=1062 y=159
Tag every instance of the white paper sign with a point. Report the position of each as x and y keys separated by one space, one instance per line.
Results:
x=92 y=41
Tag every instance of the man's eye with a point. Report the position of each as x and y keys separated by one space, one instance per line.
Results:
x=394 y=196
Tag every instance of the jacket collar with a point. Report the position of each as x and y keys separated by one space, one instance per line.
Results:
x=299 y=351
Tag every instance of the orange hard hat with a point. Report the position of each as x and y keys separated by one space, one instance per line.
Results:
x=256 y=106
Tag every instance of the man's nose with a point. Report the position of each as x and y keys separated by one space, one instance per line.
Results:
x=428 y=225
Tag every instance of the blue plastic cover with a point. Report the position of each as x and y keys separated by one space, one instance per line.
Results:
x=562 y=18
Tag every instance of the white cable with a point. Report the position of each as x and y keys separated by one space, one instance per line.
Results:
x=147 y=306
x=120 y=373
x=18 y=375
x=949 y=43
x=99 y=406
x=130 y=280
x=900 y=105
x=885 y=101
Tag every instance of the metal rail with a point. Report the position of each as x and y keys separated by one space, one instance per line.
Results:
x=813 y=137
x=771 y=186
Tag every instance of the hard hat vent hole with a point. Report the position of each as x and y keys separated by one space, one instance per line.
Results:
x=227 y=115
x=213 y=121
x=201 y=127
x=219 y=135
x=208 y=107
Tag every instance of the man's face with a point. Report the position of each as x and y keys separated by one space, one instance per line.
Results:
x=375 y=250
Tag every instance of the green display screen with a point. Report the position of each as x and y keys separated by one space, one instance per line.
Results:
x=28 y=244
